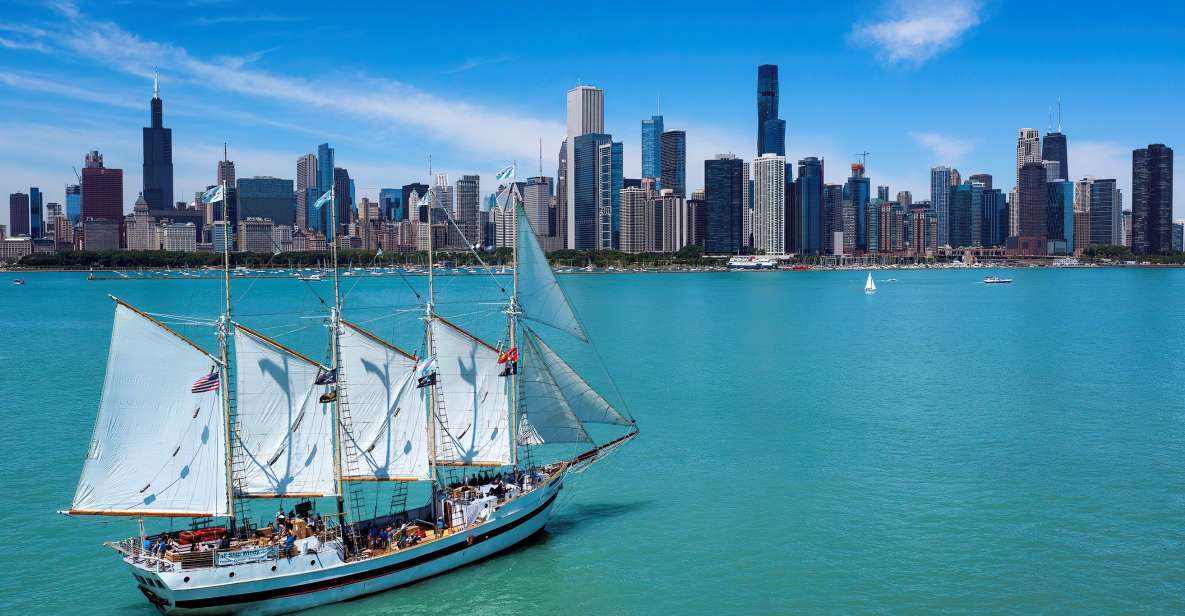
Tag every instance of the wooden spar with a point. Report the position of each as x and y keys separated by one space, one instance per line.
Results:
x=138 y=514
x=380 y=479
x=592 y=453
x=465 y=333
x=164 y=327
x=265 y=339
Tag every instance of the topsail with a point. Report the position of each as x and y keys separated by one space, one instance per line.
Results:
x=474 y=404
x=157 y=448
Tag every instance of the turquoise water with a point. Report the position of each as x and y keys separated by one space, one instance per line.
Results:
x=943 y=445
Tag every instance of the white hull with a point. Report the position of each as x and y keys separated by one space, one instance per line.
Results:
x=303 y=582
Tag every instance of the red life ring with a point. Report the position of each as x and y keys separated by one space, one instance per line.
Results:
x=469 y=539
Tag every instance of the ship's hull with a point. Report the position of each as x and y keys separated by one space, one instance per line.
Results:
x=288 y=585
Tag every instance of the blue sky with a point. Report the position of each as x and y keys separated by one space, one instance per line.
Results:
x=914 y=82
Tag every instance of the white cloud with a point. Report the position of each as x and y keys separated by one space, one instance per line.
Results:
x=914 y=31
x=8 y=43
x=946 y=149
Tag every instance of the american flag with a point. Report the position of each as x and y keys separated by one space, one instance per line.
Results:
x=208 y=382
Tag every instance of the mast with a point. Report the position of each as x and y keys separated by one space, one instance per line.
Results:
x=224 y=355
x=334 y=315
x=430 y=350
x=512 y=318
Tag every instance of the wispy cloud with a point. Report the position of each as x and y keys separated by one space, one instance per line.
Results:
x=65 y=8
x=8 y=43
x=913 y=31
x=218 y=20
x=473 y=63
x=21 y=81
x=945 y=148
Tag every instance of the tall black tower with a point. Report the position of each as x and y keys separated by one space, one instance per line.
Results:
x=771 y=130
x=158 y=157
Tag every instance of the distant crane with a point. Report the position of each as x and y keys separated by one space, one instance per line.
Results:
x=863 y=157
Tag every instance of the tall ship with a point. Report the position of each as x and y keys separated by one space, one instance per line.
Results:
x=218 y=438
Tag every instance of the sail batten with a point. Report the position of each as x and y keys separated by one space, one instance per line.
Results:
x=540 y=297
x=388 y=424
x=285 y=432
x=157 y=448
x=473 y=415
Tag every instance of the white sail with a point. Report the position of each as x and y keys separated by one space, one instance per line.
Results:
x=388 y=415
x=157 y=448
x=587 y=405
x=540 y=297
x=544 y=413
x=285 y=433
x=869 y=285
x=474 y=401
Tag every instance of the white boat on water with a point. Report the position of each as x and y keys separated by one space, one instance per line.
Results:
x=996 y=280
x=297 y=430
x=869 y=285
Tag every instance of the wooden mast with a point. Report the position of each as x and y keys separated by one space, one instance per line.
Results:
x=224 y=355
x=512 y=317
x=333 y=363
x=430 y=352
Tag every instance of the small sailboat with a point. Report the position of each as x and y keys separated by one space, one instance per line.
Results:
x=869 y=285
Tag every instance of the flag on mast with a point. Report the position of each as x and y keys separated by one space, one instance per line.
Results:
x=323 y=199
x=213 y=194
x=506 y=174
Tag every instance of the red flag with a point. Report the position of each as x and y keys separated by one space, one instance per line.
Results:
x=511 y=355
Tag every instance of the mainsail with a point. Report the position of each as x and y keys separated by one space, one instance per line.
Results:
x=157 y=448
x=474 y=405
x=388 y=413
x=285 y=433
x=540 y=297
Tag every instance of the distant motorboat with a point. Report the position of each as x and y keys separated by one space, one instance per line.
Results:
x=891 y=280
x=869 y=285
x=18 y=281
x=996 y=280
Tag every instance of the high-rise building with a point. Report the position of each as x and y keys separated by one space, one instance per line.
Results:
x=940 y=198
x=468 y=201
x=325 y=167
x=1033 y=207
x=724 y=207
x=963 y=202
x=769 y=210
x=537 y=197
x=412 y=193
x=73 y=202
x=140 y=228
x=102 y=189
x=994 y=218
x=833 y=239
x=1059 y=220
x=808 y=191
x=674 y=162
x=1082 y=196
x=36 y=214
x=637 y=218
x=391 y=204
x=1053 y=148
x=583 y=213
x=586 y=116
x=1028 y=149
x=983 y=178
x=905 y=197
x=1127 y=228
x=225 y=173
x=18 y=214
x=856 y=192
x=1152 y=199
x=652 y=147
x=343 y=203
x=771 y=130
x=267 y=197
x=882 y=193
x=1178 y=239
x=609 y=184
x=1106 y=213
x=158 y=157
x=306 y=178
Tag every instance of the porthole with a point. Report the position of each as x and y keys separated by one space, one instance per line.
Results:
x=186 y=579
x=273 y=567
x=232 y=574
x=312 y=562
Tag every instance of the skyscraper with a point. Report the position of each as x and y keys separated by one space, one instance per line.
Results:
x=342 y=202
x=771 y=130
x=102 y=189
x=18 y=214
x=1028 y=149
x=833 y=240
x=1053 y=148
x=226 y=171
x=1033 y=207
x=411 y=195
x=537 y=204
x=940 y=200
x=391 y=204
x=674 y=162
x=583 y=217
x=724 y=206
x=609 y=184
x=158 y=157
x=983 y=178
x=1060 y=217
x=962 y=202
x=36 y=213
x=882 y=193
x=905 y=197
x=73 y=202
x=1152 y=199
x=769 y=210
x=468 y=200
x=856 y=192
x=306 y=178
x=652 y=147
x=809 y=193
x=586 y=115
x=1106 y=213
x=267 y=197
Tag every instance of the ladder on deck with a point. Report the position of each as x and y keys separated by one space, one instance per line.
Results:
x=348 y=451
x=238 y=458
x=398 y=498
x=444 y=439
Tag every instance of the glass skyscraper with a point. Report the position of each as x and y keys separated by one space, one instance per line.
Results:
x=609 y=183
x=158 y=158
x=1152 y=199
x=36 y=213
x=857 y=192
x=771 y=130
x=73 y=202
x=267 y=197
x=652 y=148
x=674 y=162
x=584 y=173
x=809 y=193
x=724 y=187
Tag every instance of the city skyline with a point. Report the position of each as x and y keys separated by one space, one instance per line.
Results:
x=42 y=50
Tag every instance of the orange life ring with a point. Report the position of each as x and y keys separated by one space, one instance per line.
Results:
x=469 y=539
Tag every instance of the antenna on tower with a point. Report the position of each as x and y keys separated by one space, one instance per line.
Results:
x=155 y=83
x=541 y=157
x=1049 y=124
x=1059 y=114
x=224 y=157
x=429 y=167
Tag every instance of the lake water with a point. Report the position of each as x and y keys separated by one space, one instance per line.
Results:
x=942 y=445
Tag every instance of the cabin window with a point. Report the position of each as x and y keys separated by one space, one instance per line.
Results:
x=186 y=579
